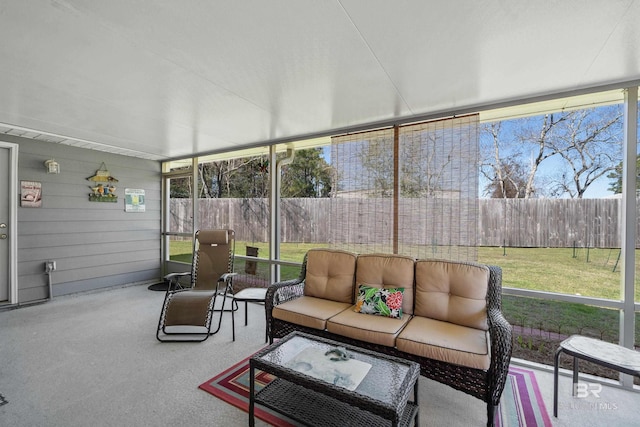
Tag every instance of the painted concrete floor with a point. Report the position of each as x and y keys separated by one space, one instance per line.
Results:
x=93 y=360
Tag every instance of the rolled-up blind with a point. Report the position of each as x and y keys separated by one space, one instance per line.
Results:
x=411 y=190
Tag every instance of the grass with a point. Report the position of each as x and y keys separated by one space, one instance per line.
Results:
x=557 y=270
x=560 y=270
x=546 y=318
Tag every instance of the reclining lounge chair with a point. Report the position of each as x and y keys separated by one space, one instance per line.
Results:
x=187 y=311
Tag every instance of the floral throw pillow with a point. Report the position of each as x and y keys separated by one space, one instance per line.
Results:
x=380 y=302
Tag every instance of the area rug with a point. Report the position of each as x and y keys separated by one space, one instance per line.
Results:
x=232 y=386
x=521 y=405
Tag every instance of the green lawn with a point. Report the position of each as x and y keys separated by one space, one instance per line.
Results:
x=543 y=269
x=587 y=273
x=556 y=270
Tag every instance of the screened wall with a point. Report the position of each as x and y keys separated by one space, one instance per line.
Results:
x=545 y=191
x=410 y=190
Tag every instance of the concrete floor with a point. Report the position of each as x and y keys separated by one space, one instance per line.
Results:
x=93 y=360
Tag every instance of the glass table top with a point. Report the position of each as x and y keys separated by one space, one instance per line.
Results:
x=374 y=375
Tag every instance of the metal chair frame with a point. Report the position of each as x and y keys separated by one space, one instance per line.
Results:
x=200 y=291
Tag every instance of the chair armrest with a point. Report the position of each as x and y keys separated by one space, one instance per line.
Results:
x=228 y=284
x=226 y=277
x=174 y=278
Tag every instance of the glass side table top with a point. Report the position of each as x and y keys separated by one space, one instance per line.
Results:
x=605 y=351
x=385 y=381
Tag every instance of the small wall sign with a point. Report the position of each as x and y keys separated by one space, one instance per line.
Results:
x=133 y=200
x=30 y=194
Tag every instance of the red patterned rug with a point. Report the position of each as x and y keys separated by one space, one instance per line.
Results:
x=521 y=406
x=232 y=386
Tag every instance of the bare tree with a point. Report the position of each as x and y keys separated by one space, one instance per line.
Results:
x=424 y=165
x=376 y=173
x=586 y=141
x=542 y=150
x=590 y=145
x=506 y=174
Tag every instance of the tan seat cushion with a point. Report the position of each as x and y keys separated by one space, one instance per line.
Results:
x=188 y=308
x=446 y=342
x=388 y=271
x=367 y=327
x=309 y=311
x=330 y=275
x=451 y=291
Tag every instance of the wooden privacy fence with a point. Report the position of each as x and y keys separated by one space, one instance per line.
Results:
x=558 y=223
x=510 y=222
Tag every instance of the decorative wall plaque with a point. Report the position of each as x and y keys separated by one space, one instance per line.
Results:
x=104 y=189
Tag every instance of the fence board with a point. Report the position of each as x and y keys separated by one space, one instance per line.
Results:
x=511 y=222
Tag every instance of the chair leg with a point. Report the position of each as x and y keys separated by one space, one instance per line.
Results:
x=246 y=313
x=224 y=299
x=228 y=290
x=491 y=414
x=164 y=304
x=233 y=322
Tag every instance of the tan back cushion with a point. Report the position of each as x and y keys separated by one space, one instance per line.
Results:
x=387 y=271
x=330 y=274
x=453 y=292
x=213 y=257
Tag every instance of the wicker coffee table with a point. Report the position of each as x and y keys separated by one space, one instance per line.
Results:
x=363 y=388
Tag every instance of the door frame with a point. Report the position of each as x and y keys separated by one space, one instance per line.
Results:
x=13 y=220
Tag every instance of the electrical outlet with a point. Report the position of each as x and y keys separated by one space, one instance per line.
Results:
x=49 y=266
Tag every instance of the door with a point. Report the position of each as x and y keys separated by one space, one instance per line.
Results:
x=8 y=207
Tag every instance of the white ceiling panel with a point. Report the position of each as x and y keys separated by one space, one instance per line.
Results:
x=169 y=79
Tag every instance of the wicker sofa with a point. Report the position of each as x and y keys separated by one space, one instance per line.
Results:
x=451 y=322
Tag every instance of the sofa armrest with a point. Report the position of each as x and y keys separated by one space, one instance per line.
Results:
x=500 y=332
x=279 y=293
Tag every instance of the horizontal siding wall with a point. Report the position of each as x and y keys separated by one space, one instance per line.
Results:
x=95 y=244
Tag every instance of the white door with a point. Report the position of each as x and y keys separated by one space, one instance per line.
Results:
x=8 y=222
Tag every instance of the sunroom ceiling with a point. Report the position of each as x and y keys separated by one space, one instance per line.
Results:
x=170 y=79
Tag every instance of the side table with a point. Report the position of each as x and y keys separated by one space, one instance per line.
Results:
x=602 y=353
x=248 y=295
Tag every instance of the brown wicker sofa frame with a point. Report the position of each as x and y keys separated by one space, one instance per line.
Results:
x=484 y=385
